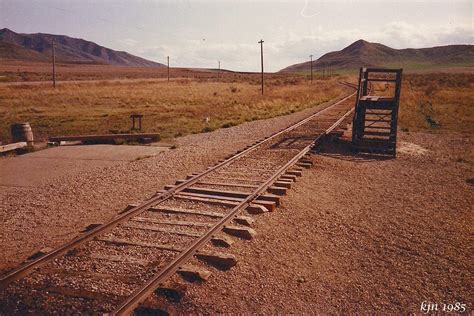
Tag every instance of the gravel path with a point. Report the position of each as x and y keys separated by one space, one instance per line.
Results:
x=54 y=212
x=358 y=236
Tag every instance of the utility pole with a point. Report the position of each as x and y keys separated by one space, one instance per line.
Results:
x=54 y=64
x=311 y=63
x=218 y=70
x=261 y=58
x=168 y=57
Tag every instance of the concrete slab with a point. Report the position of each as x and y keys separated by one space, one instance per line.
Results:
x=33 y=168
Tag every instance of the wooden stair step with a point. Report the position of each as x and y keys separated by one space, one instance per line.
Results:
x=378 y=127
x=378 y=133
x=375 y=120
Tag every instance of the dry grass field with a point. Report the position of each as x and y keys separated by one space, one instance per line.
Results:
x=434 y=102
x=92 y=103
x=172 y=109
x=438 y=102
x=22 y=71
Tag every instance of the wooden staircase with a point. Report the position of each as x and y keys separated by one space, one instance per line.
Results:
x=374 y=128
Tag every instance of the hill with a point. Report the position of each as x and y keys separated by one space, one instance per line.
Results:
x=37 y=47
x=364 y=54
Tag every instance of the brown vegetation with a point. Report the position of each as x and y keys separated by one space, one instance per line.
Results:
x=21 y=71
x=438 y=102
x=172 y=109
x=431 y=102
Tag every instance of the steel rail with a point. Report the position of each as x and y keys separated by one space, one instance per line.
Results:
x=128 y=306
x=15 y=274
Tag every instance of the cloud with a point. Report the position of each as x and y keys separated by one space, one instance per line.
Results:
x=296 y=48
x=128 y=42
x=402 y=34
x=198 y=53
x=398 y=34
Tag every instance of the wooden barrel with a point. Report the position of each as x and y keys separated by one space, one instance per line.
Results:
x=21 y=132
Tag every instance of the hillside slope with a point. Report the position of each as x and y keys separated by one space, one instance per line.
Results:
x=37 y=47
x=362 y=53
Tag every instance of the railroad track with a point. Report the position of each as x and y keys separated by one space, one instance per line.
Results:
x=114 y=267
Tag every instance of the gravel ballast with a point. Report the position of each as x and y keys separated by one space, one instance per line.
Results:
x=357 y=235
x=32 y=218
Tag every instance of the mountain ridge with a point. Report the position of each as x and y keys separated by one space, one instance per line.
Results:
x=38 y=47
x=362 y=53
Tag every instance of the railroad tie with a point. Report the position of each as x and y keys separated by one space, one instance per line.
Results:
x=244 y=220
x=293 y=172
x=283 y=184
x=194 y=273
x=219 y=260
x=256 y=207
x=240 y=232
x=277 y=190
x=267 y=200
x=288 y=178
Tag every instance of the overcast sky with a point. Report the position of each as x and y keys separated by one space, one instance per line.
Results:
x=199 y=33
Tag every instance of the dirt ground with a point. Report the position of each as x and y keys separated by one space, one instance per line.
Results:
x=353 y=235
x=74 y=200
x=358 y=235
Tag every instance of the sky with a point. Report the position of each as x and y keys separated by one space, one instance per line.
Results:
x=201 y=33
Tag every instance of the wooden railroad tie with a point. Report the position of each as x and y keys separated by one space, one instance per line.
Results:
x=193 y=273
x=229 y=195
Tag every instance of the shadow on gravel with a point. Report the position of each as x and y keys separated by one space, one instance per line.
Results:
x=342 y=149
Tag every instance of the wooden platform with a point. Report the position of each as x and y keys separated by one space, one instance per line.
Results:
x=10 y=147
x=107 y=137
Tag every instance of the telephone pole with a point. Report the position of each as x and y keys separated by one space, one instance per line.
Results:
x=261 y=59
x=219 y=70
x=168 y=58
x=54 y=64
x=311 y=63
